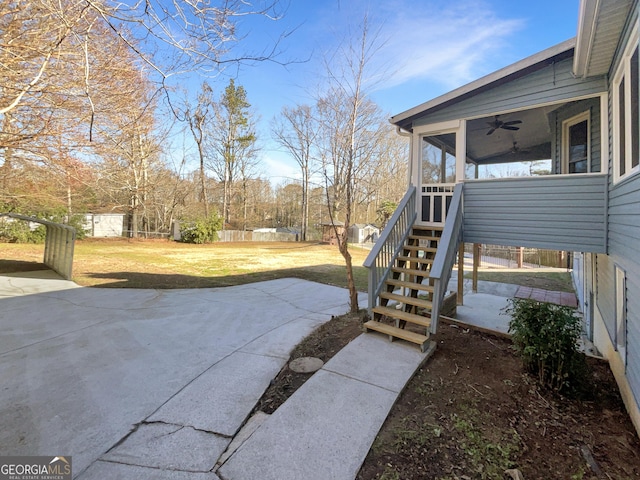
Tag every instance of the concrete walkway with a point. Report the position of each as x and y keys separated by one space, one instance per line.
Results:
x=326 y=428
x=155 y=384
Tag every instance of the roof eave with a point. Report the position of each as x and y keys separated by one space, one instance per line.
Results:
x=401 y=119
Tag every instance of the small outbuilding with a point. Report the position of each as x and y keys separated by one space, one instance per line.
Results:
x=363 y=233
x=104 y=224
x=329 y=232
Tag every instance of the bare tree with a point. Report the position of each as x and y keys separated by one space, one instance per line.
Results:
x=288 y=199
x=349 y=142
x=386 y=176
x=127 y=137
x=199 y=119
x=247 y=169
x=296 y=131
x=169 y=37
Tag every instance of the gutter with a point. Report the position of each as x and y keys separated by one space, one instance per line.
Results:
x=587 y=16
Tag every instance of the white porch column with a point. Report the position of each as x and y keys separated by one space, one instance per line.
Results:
x=461 y=151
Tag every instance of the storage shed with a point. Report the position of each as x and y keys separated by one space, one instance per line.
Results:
x=329 y=232
x=104 y=224
x=363 y=233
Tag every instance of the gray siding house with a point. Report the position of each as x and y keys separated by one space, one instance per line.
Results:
x=574 y=106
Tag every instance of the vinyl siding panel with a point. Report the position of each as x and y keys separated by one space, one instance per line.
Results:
x=557 y=212
x=624 y=244
x=624 y=241
x=551 y=84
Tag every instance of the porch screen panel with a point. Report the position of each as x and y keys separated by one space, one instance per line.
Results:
x=431 y=162
x=438 y=159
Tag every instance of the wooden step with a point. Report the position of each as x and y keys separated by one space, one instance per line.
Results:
x=417 y=302
x=402 y=315
x=415 y=241
x=418 y=248
x=424 y=237
x=411 y=285
x=415 y=259
x=426 y=229
x=420 y=340
x=410 y=271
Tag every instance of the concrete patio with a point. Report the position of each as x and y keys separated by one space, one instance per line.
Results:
x=143 y=383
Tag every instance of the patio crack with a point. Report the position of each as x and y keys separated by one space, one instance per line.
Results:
x=285 y=299
x=161 y=422
x=162 y=469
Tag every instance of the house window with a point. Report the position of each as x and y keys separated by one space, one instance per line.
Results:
x=576 y=144
x=621 y=313
x=626 y=133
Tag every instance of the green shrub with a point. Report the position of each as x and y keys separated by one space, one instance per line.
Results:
x=13 y=231
x=201 y=230
x=546 y=338
x=20 y=231
x=77 y=222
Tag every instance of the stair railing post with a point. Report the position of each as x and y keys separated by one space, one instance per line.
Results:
x=389 y=245
x=373 y=274
x=446 y=254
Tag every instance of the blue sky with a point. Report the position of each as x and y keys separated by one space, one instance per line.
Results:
x=430 y=47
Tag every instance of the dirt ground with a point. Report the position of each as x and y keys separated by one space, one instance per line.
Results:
x=323 y=343
x=472 y=413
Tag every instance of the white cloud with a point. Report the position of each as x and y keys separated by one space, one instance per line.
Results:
x=280 y=170
x=451 y=45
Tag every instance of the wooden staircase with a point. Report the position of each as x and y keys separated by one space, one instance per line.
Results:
x=404 y=309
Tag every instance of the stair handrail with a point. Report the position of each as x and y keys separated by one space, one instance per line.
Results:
x=383 y=254
x=446 y=254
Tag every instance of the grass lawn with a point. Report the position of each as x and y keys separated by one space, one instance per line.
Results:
x=557 y=281
x=125 y=263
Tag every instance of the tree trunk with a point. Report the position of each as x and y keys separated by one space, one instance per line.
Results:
x=225 y=199
x=244 y=205
x=351 y=284
x=69 y=212
x=305 y=203
x=203 y=184
x=134 y=219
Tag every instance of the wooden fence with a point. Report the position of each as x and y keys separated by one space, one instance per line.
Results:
x=242 y=235
x=248 y=236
